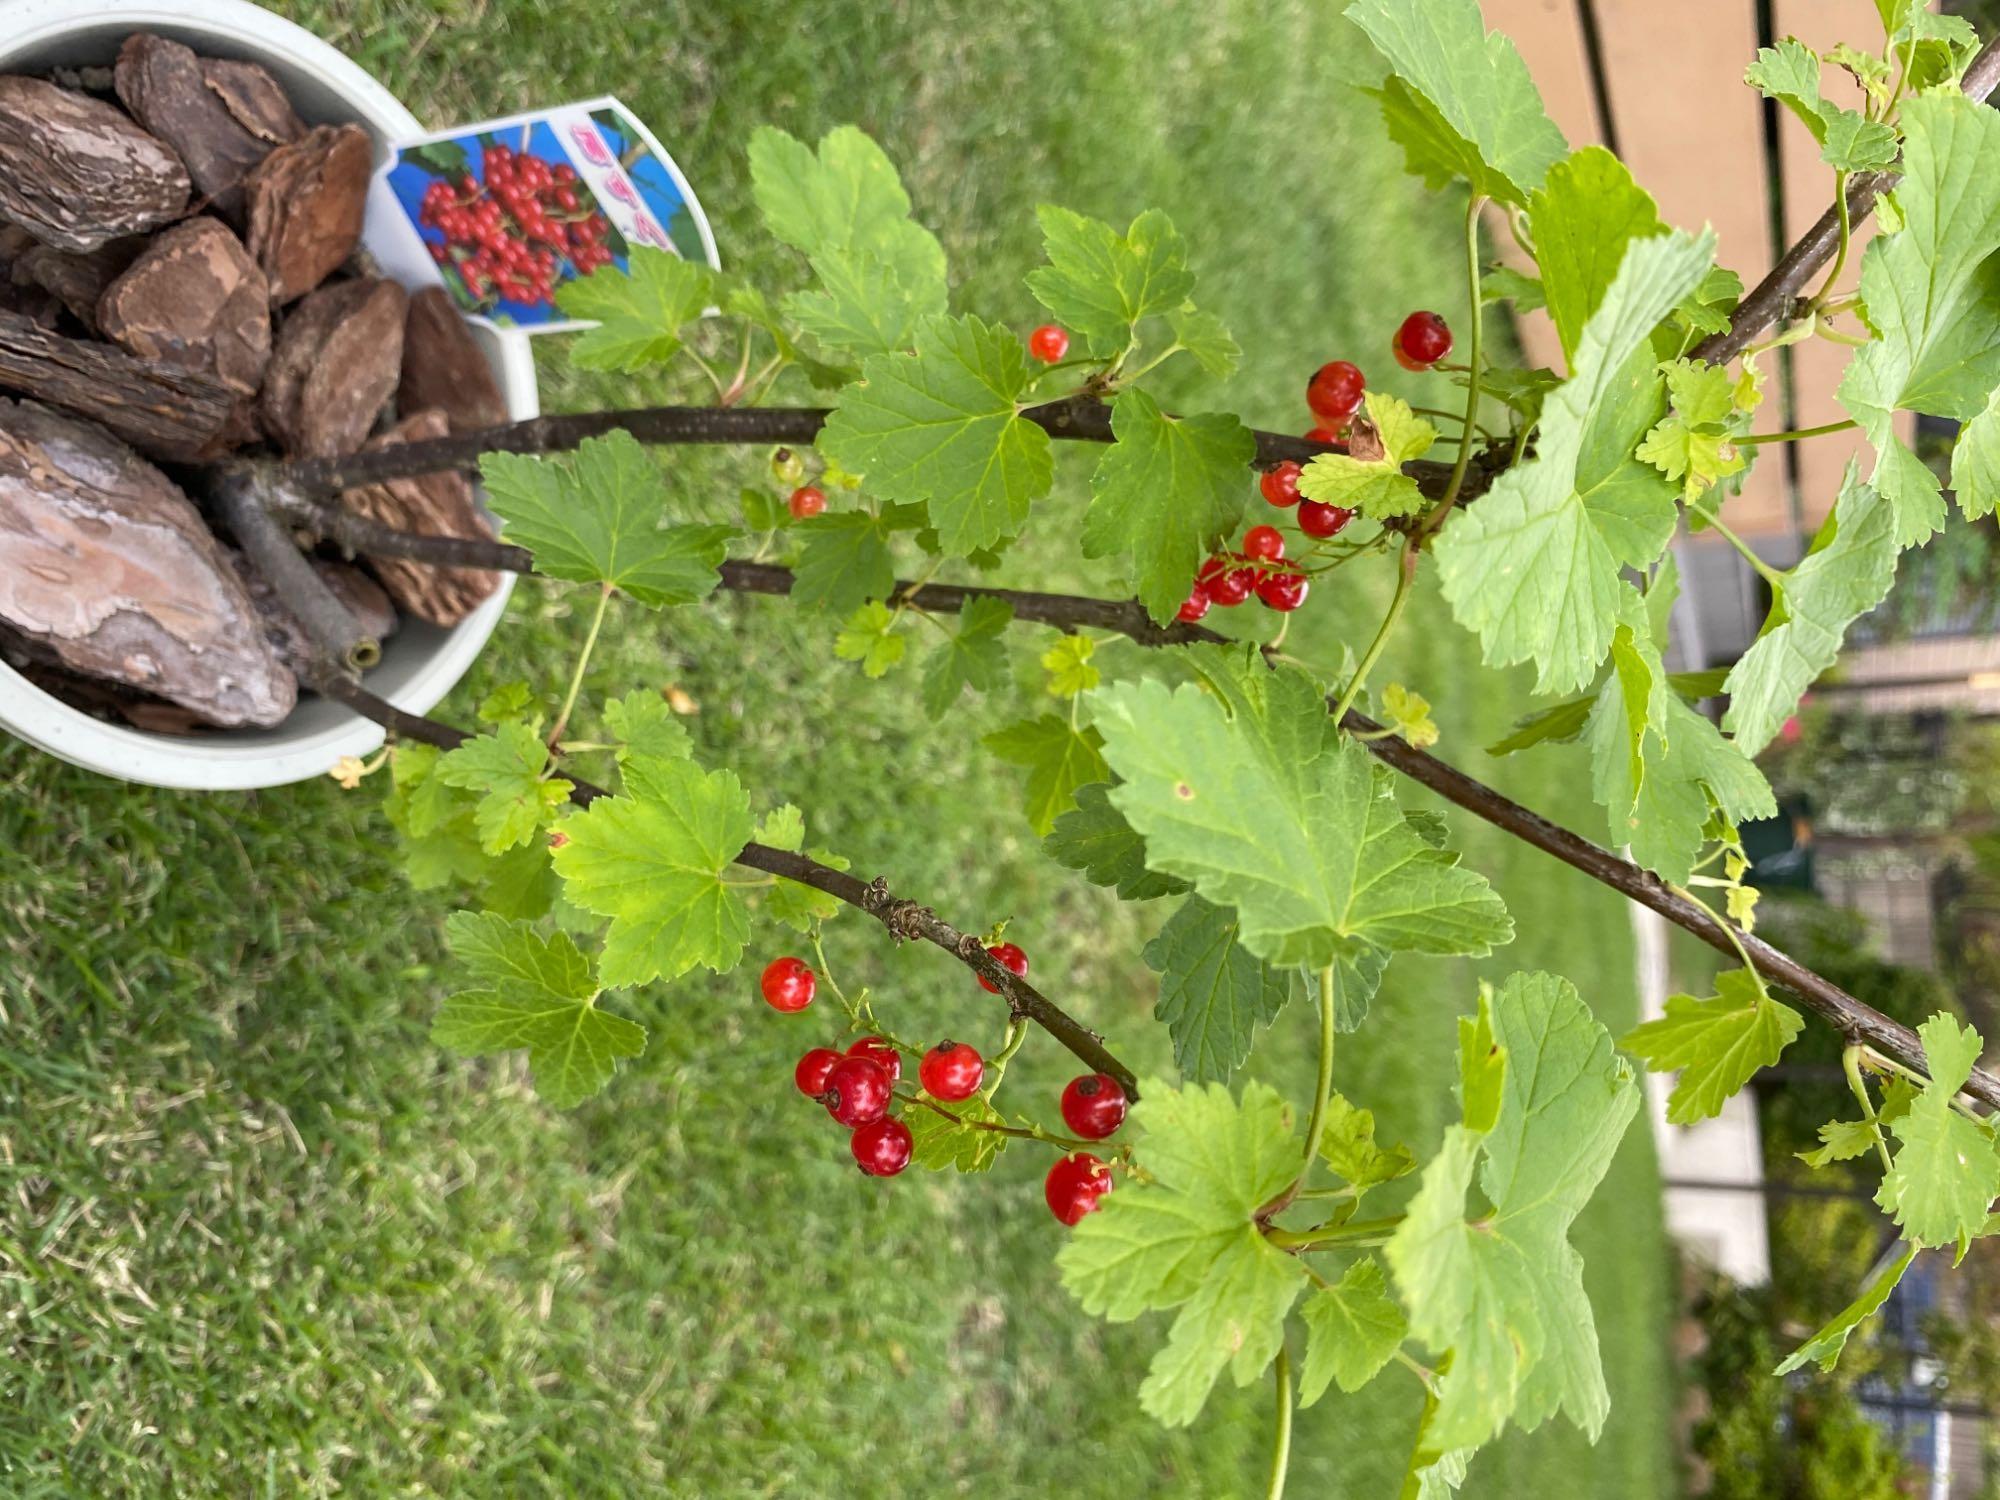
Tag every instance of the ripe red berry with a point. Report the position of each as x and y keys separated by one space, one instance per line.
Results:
x=879 y=1052
x=1075 y=1186
x=807 y=500
x=810 y=1074
x=1334 y=392
x=1231 y=588
x=1010 y=958
x=1423 y=340
x=1093 y=1106
x=1281 y=485
x=951 y=1071
x=881 y=1147
x=1323 y=520
x=1194 y=606
x=1049 y=343
x=1263 y=542
x=788 y=984
x=857 y=1091
x=1283 y=592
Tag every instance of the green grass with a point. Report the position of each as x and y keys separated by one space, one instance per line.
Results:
x=260 y=1237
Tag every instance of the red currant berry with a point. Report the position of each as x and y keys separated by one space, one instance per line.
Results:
x=1423 y=340
x=951 y=1071
x=1283 y=592
x=1231 y=588
x=1194 y=606
x=1049 y=343
x=1334 y=392
x=1010 y=958
x=879 y=1052
x=810 y=1074
x=807 y=500
x=1332 y=435
x=1323 y=520
x=1075 y=1186
x=1281 y=485
x=1093 y=1106
x=1263 y=542
x=857 y=1091
x=788 y=984
x=881 y=1147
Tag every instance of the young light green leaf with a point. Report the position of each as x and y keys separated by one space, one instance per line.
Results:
x=440 y=843
x=1534 y=567
x=640 y=312
x=1469 y=108
x=974 y=657
x=652 y=860
x=1100 y=284
x=941 y=1141
x=846 y=197
x=1847 y=573
x=1717 y=1044
x=1163 y=492
x=1068 y=664
x=869 y=637
x=594 y=517
x=1823 y=1348
x=1506 y=1295
x=536 y=993
x=1946 y=1172
x=505 y=767
x=1409 y=714
x=1352 y=1329
x=1694 y=445
x=1932 y=295
x=644 y=723
x=1314 y=854
x=511 y=700
x=799 y=906
x=1376 y=487
x=1203 y=336
x=1347 y=1145
x=1843 y=1140
x=1848 y=140
x=1186 y=1237
x=1059 y=759
x=1094 y=838
x=942 y=426
x=1584 y=216
x=1214 y=993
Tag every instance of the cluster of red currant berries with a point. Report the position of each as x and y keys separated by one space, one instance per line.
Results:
x=511 y=236
x=858 y=1086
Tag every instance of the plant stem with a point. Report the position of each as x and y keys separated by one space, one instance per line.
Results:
x=1756 y=439
x=1457 y=481
x=1763 y=569
x=582 y=662
x=1850 y=1062
x=1346 y=1236
x=1846 y=236
x=826 y=973
x=1322 y=1091
x=1406 y=572
x=1017 y=1032
x=1062 y=1143
x=1281 y=1447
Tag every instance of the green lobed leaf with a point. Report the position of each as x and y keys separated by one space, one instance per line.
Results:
x=1203 y=336
x=1847 y=572
x=1823 y=1348
x=1505 y=1295
x=652 y=859
x=974 y=657
x=1100 y=284
x=941 y=1142
x=1309 y=847
x=1463 y=102
x=1376 y=487
x=505 y=767
x=1069 y=667
x=799 y=906
x=1534 y=567
x=844 y=558
x=1058 y=757
x=869 y=637
x=1694 y=445
x=1347 y=1145
x=593 y=517
x=1214 y=993
x=440 y=843
x=1353 y=1328
x=1717 y=1044
x=1946 y=1171
x=644 y=723
x=942 y=427
x=1094 y=838
x=1843 y=1140
x=639 y=312
x=1848 y=140
x=1584 y=216
x=1163 y=493
x=1186 y=1237
x=536 y=993
x=1931 y=292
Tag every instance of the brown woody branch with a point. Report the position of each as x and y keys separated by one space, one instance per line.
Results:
x=905 y=919
x=1774 y=299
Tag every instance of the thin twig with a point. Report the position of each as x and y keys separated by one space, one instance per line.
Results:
x=335 y=634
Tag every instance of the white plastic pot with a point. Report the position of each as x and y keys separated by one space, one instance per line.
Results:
x=421 y=662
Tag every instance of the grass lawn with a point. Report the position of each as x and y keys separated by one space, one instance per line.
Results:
x=259 y=1237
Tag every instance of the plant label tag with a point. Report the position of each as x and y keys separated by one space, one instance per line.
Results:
x=501 y=214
